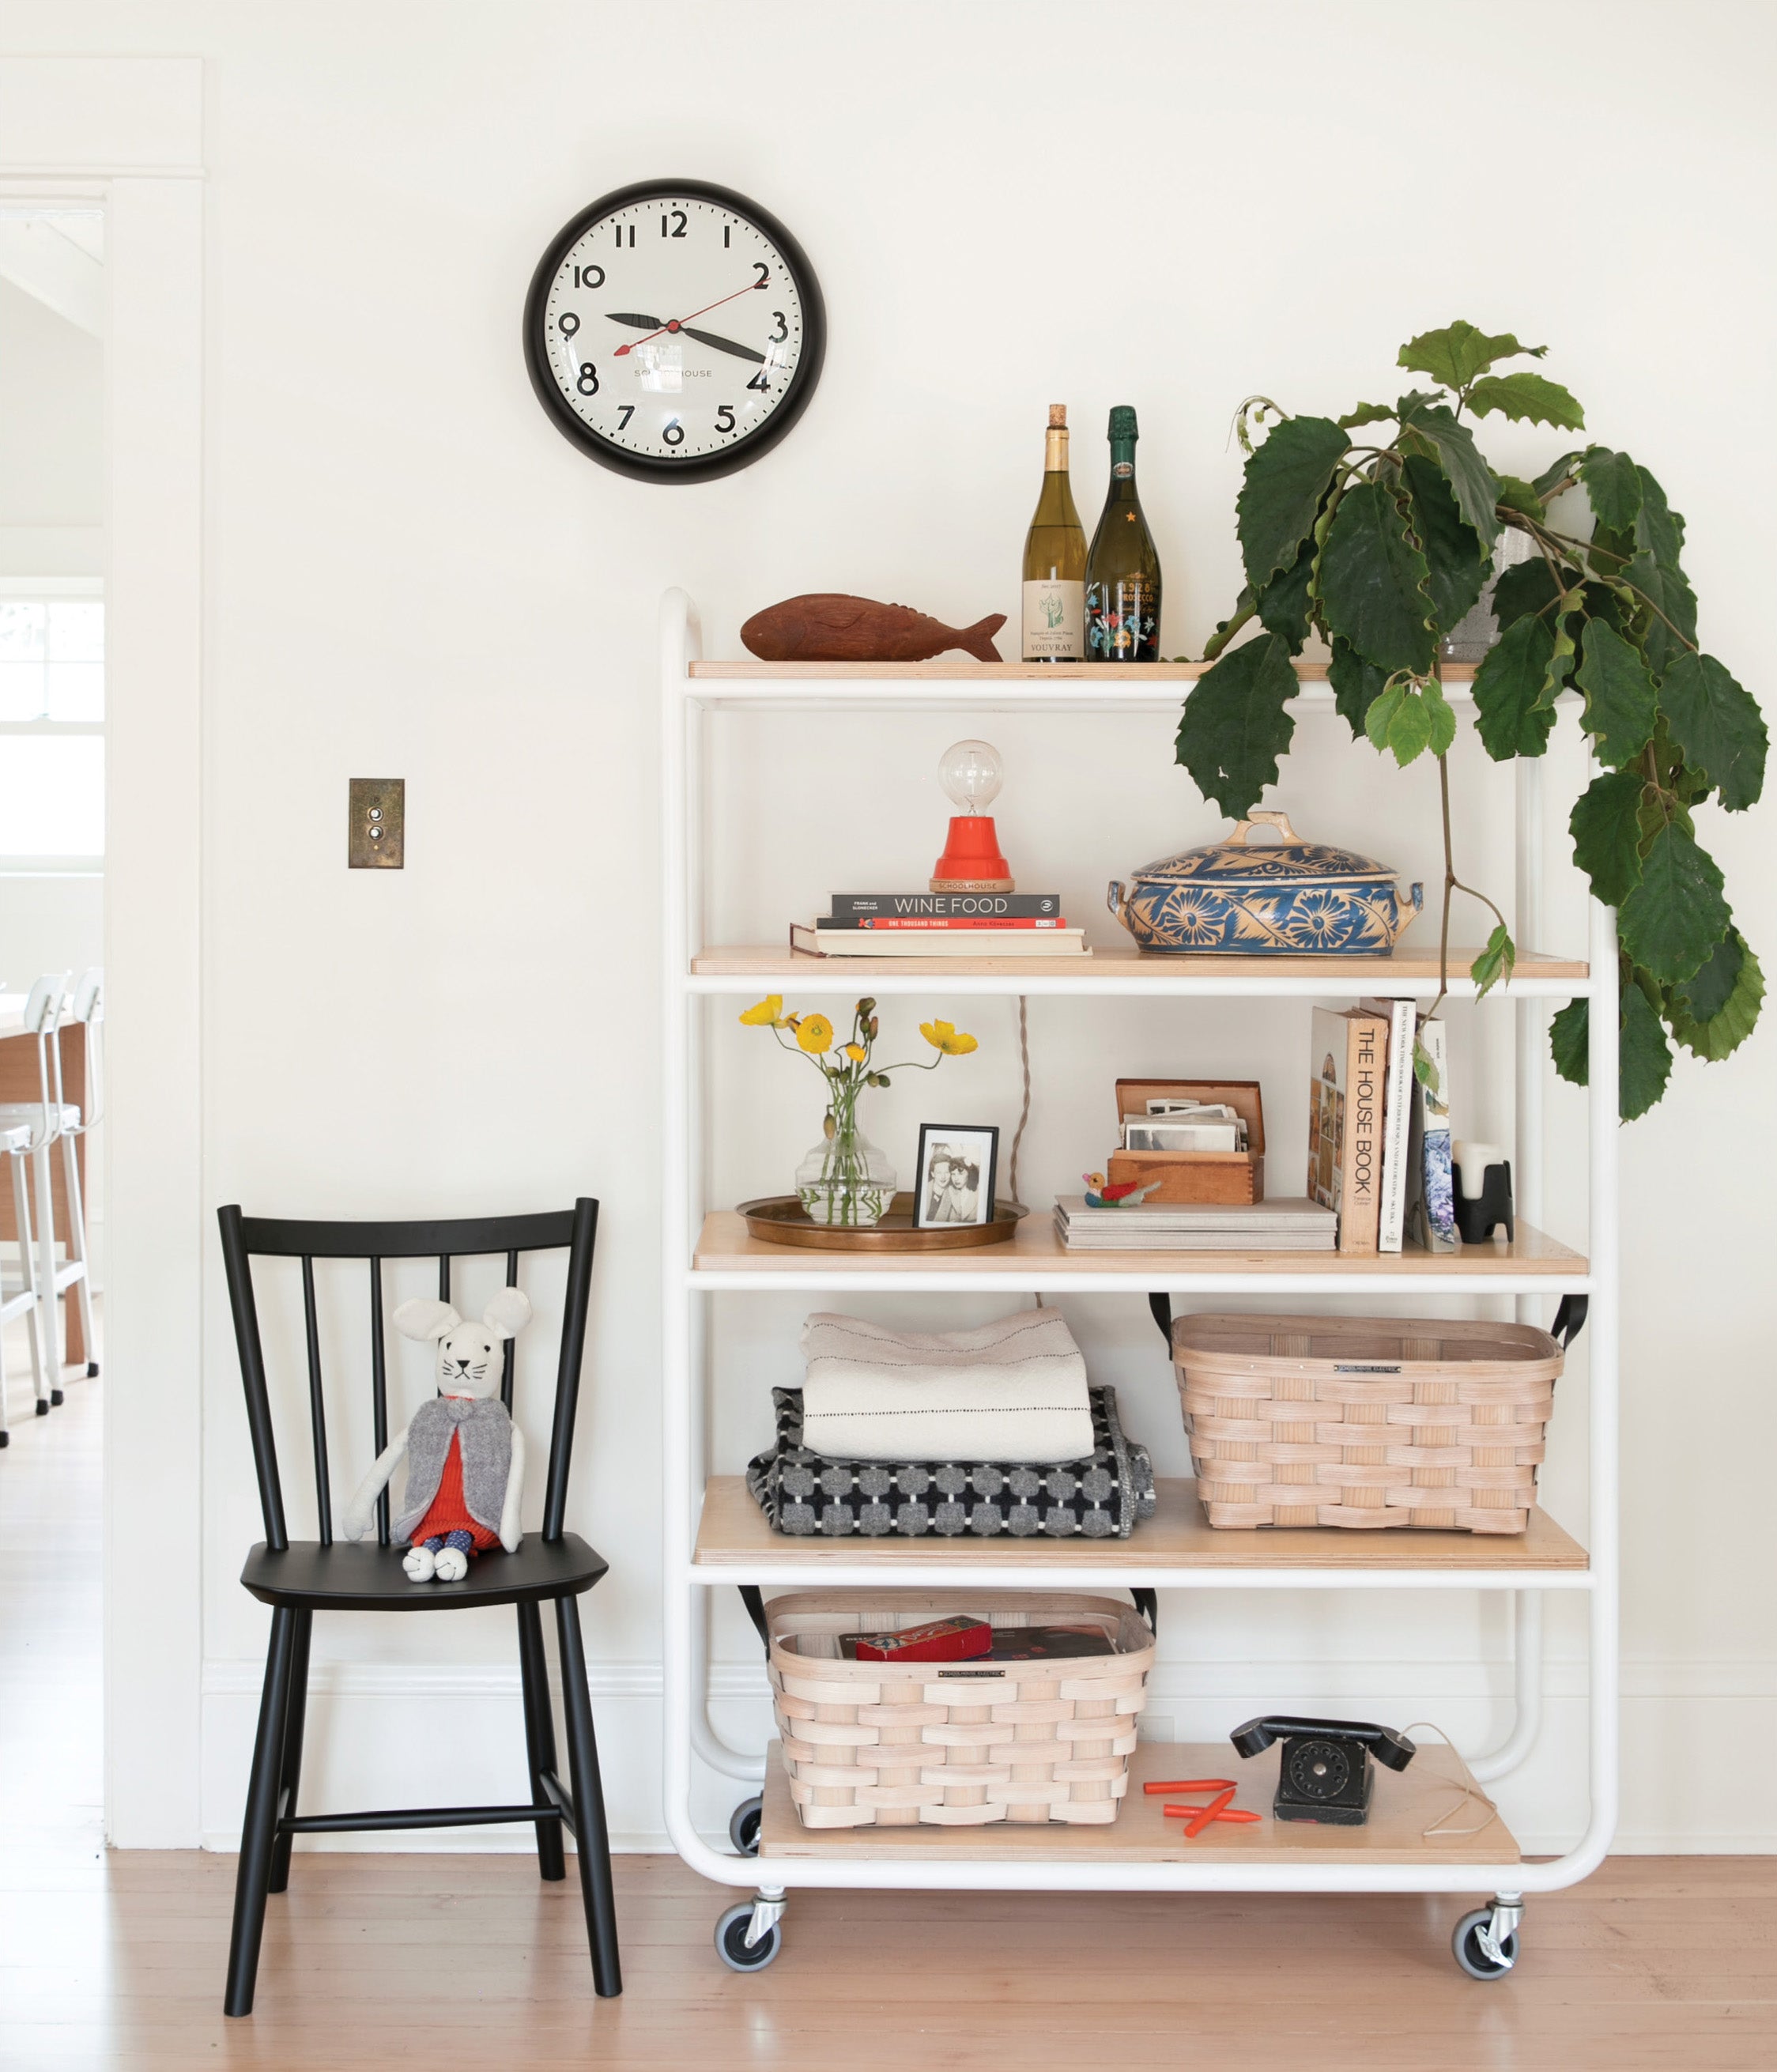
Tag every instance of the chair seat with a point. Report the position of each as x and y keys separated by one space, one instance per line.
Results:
x=359 y=1576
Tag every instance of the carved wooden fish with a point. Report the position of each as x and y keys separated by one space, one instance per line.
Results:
x=828 y=628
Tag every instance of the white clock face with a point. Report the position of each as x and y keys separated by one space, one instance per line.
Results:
x=672 y=328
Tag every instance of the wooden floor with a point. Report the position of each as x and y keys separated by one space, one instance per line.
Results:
x=468 y=1964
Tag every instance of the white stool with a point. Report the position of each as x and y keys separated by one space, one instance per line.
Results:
x=48 y=1119
x=20 y=1300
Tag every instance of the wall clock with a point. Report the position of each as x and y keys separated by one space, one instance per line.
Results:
x=674 y=331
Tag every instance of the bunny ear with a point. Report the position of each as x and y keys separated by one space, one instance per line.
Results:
x=508 y=1313
x=424 y=1317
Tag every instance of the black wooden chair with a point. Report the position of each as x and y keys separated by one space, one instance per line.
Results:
x=298 y=1580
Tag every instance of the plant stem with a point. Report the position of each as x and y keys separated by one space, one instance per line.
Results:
x=1214 y=647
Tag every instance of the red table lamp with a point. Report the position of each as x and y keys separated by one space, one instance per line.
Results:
x=970 y=772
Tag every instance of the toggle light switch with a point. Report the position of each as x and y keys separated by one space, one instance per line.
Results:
x=374 y=837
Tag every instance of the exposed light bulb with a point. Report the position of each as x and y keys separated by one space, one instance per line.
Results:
x=970 y=772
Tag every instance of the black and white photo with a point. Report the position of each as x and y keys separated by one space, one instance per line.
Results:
x=955 y=1174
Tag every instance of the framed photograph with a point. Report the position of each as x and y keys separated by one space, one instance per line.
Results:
x=958 y=1164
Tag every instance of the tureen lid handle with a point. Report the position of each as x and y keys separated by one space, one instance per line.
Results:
x=1280 y=821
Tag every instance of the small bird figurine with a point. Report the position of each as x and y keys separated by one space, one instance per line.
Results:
x=1124 y=1195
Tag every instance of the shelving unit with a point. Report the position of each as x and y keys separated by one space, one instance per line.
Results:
x=716 y=1538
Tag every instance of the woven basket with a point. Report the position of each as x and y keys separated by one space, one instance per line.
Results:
x=1365 y=1422
x=953 y=1744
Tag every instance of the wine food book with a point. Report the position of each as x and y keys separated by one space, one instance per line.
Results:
x=1397 y=1118
x=1431 y=1200
x=850 y=907
x=1348 y=1069
x=938 y=941
x=1274 y=1226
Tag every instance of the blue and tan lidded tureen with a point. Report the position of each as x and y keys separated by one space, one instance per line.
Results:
x=1288 y=897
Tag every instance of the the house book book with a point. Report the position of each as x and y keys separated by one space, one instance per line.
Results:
x=1348 y=1069
x=814 y=940
x=1268 y=1225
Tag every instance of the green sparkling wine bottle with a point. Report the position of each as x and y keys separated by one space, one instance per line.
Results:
x=1122 y=570
x=1055 y=560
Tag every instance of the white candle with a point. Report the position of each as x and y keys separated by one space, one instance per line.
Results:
x=1475 y=1159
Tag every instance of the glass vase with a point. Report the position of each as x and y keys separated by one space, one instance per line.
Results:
x=846 y=1180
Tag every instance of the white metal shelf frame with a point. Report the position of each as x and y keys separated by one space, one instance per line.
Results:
x=689 y=1733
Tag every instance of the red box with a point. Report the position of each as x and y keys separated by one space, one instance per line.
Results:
x=942 y=1640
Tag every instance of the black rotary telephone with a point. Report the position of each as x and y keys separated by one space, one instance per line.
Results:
x=1325 y=1774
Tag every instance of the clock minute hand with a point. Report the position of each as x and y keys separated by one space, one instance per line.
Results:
x=723 y=344
x=678 y=323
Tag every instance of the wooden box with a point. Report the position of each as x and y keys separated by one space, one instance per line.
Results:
x=1193 y=1176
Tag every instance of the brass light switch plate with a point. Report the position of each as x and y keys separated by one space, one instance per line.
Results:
x=377 y=832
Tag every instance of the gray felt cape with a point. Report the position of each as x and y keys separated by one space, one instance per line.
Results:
x=484 y=1431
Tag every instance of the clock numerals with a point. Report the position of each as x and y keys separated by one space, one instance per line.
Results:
x=589 y=277
x=679 y=221
x=764 y=272
x=760 y=382
x=625 y=412
x=724 y=417
x=782 y=330
x=568 y=324
x=588 y=383
x=617 y=230
x=673 y=433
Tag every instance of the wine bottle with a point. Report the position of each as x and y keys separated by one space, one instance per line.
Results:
x=1122 y=570
x=1055 y=560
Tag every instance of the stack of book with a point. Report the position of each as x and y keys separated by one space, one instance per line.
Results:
x=1379 y=1132
x=941 y=924
x=1288 y=1226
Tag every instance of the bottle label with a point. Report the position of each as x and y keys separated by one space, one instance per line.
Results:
x=1055 y=621
x=1122 y=469
x=1123 y=621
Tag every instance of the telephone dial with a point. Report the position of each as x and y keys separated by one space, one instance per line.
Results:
x=1324 y=1772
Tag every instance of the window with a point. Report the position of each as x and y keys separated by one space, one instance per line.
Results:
x=51 y=725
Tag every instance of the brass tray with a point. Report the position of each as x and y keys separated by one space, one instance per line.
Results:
x=782 y=1219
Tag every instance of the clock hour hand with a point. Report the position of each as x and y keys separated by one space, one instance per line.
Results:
x=641 y=323
x=723 y=344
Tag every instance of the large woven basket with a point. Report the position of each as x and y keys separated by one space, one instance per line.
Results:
x=953 y=1744
x=1365 y=1422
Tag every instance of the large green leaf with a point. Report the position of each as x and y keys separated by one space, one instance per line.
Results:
x=1569 y=1042
x=1644 y=1058
x=1544 y=484
x=1286 y=479
x=1357 y=684
x=1670 y=608
x=1718 y=726
x=1495 y=963
x=1373 y=581
x=1527 y=586
x=1514 y=694
x=1237 y=723
x=1365 y=414
x=1606 y=828
x=1407 y=721
x=1458 y=353
x=1658 y=527
x=1732 y=987
x=1528 y=397
x=1613 y=487
x=1283 y=604
x=1621 y=699
x=1458 y=569
x=1677 y=915
x=1515 y=494
x=1431 y=428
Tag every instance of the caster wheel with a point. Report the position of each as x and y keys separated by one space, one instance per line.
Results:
x=1466 y=1945
x=55 y=1397
x=92 y=1369
x=43 y=1407
x=744 y=1823
x=731 y=1940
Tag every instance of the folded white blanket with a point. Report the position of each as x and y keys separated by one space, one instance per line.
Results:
x=1010 y=1390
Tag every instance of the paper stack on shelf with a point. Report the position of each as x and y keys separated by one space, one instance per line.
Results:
x=941 y=924
x=1297 y=1225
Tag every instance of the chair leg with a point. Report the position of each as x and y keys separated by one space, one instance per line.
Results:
x=539 y=1735
x=21 y=1218
x=76 y=1246
x=46 y=1270
x=259 y=1828
x=290 y=1775
x=589 y=1804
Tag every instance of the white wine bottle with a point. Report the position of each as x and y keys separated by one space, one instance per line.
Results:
x=1055 y=560
x=1123 y=570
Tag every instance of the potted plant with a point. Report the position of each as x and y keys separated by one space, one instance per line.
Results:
x=1381 y=545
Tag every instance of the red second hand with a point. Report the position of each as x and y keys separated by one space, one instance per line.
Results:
x=678 y=323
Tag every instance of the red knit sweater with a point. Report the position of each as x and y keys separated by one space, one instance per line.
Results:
x=447 y=1512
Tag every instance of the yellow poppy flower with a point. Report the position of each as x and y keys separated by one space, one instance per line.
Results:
x=942 y=1036
x=767 y=1014
x=814 y=1033
x=857 y=1053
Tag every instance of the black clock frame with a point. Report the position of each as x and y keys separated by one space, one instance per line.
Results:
x=701 y=467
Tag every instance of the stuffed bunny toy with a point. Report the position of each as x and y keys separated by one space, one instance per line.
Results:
x=465 y=1457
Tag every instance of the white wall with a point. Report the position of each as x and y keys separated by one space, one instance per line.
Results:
x=411 y=573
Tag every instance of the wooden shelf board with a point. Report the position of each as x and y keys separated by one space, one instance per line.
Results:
x=958 y=666
x=1405 y=1804
x=726 y=1245
x=1343 y=975
x=734 y=1533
